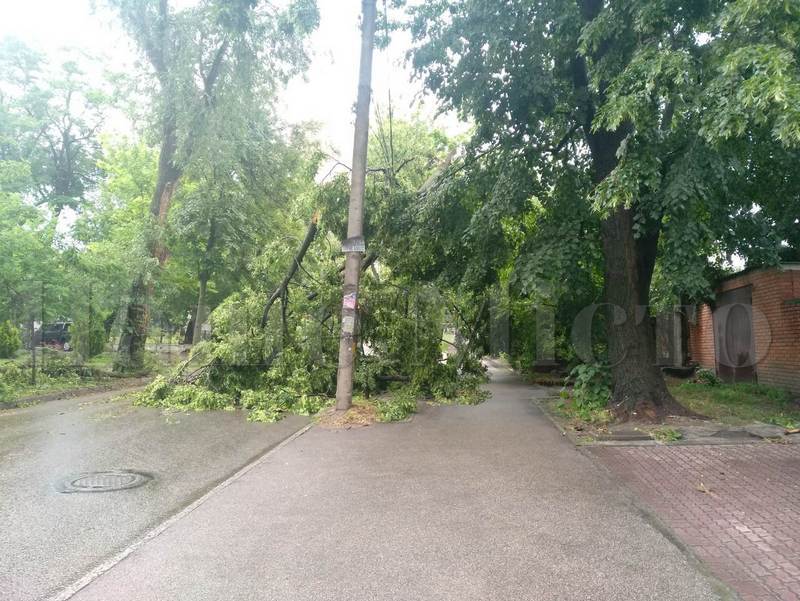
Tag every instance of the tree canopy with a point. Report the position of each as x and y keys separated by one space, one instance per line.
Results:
x=622 y=157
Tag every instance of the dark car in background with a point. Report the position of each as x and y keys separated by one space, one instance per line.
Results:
x=57 y=335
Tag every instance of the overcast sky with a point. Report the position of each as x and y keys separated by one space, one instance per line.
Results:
x=326 y=96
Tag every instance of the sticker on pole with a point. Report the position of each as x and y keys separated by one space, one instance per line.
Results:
x=349 y=301
x=354 y=245
x=348 y=324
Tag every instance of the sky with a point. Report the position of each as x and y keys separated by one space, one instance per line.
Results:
x=325 y=95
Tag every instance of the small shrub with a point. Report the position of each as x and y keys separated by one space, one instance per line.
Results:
x=13 y=374
x=666 y=435
x=9 y=340
x=6 y=391
x=591 y=390
x=707 y=377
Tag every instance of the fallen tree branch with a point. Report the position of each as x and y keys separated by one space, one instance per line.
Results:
x=280 y=291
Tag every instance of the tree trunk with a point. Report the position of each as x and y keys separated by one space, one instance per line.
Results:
x=33 y=350
x=639 y=388
x=204 y=275
x=130 y=352
x=188 y=335
x=200 y=314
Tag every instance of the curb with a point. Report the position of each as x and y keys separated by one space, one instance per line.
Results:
x=73 y=392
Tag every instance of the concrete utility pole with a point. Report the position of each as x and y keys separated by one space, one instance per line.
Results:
x=354 y=246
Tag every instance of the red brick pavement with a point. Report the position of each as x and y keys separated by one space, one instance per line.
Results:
x=736 y=506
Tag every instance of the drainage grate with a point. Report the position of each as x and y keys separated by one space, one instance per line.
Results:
x=103 y=481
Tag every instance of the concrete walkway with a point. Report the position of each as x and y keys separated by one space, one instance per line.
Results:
x=463 y=503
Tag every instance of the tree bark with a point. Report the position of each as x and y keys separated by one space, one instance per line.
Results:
x=188 y=335
x=639 y=389
x=204 y=275
x=130 y=352
x=200 y=313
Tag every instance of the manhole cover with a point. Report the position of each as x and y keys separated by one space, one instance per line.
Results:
x=103 y=481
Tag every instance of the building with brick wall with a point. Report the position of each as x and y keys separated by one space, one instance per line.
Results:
x=751 y=332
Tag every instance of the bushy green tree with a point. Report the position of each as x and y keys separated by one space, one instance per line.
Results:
x=51 y=120
x=9 y=339
x=211 y=65
x=88 y=338
x=645 y=113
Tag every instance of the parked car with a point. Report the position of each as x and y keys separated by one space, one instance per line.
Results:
x=57 y=335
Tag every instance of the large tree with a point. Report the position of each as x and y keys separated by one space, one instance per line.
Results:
x=210 y=64
x=643 y=108
x=51 y=117
x=231 y=207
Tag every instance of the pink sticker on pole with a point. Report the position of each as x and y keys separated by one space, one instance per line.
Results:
x=349 y=301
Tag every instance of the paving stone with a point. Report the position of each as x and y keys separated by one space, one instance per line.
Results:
x=757 y=486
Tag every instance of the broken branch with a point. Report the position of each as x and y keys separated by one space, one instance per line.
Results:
x=280 y=291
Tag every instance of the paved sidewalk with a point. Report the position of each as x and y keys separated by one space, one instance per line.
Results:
x=464 y=503
x=737 y=507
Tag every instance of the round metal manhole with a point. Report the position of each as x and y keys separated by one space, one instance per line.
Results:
x=103 y=481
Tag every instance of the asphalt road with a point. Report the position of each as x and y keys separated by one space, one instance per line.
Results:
x=50 y=539
x=485 y=503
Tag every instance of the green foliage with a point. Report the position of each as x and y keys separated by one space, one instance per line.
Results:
x=50 y=116
x=59 y=371
x=707 y=377
x=155 y=392
x=13 y=373
x=88 y=339
x=162 y=393
x=665 y=435
x=367 y=375
x=591 y=390
x=274 y=404
x=397 y=406
x=10 y=340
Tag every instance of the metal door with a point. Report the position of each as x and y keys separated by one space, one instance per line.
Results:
x=733 y=335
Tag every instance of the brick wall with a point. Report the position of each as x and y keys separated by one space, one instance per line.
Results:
x=701 y=338
x=776 y=327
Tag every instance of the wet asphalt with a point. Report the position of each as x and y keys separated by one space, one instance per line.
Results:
x=49 y=539
x=484 y=503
